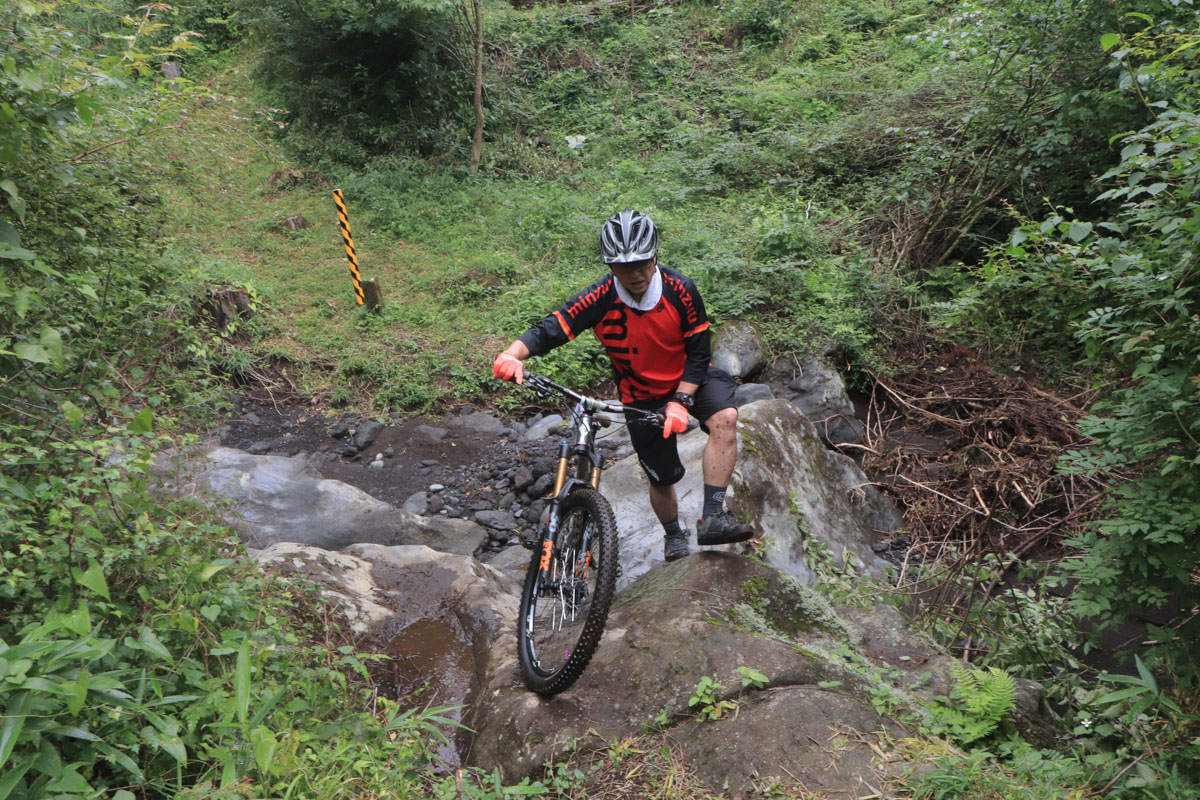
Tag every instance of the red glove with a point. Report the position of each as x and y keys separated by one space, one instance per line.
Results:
x=508 y=368
x=676 y=419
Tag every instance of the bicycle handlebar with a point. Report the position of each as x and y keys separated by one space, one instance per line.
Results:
x=545 y=386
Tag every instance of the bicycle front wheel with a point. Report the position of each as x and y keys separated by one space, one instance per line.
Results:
x=563 y=611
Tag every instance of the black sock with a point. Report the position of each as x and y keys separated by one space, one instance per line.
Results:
x=672 y=527
x=714 y=500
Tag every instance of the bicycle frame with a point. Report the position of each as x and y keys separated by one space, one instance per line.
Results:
x=587 y=467
x=569 y=588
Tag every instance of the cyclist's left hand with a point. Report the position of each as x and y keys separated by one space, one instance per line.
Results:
x=676 y=420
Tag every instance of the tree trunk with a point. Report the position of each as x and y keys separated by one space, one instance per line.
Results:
x=477 y=145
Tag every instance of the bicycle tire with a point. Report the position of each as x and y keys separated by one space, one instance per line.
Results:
x=561 y=617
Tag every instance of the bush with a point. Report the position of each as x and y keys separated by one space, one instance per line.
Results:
x=359 y=79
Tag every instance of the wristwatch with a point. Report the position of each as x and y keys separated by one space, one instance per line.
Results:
x=684 y=399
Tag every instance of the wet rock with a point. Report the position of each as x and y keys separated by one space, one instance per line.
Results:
x=786 y=484
x=738 y=349
x=277 y=499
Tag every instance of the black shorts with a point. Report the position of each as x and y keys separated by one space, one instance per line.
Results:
x=660 y=457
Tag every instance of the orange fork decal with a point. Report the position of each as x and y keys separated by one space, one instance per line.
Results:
x=547 y=548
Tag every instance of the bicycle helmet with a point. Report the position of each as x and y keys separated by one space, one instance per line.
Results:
x=628 y=236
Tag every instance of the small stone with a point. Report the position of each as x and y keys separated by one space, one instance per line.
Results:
x=436 y=504
x=417 y=503
x=433 y=432
x=522 y=477
x=496 y=520
x=503 y=483
x=388 y=452
x=379 y=456
x=436 y=487
x=376 y=464
x=258 y=448
x=541 y=486
x=252 y=418
x=429 y=462
x=366 y=433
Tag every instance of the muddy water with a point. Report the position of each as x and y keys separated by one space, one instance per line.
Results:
x=432 y=665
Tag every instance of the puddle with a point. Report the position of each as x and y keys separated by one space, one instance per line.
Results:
x=432 y=665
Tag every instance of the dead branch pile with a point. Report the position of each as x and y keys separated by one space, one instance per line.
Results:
x=971 y=456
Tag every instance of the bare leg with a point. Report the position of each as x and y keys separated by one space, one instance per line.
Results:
x=664 y=503
x=720 y=454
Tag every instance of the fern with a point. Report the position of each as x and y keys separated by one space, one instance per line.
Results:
x=978 y=703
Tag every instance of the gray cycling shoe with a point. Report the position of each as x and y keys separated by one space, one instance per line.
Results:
x=675 y=545
x=722 y=528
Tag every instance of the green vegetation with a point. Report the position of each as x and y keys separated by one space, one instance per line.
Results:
x=839 y=170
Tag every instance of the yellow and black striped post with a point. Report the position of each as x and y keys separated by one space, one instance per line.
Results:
x=364 y=292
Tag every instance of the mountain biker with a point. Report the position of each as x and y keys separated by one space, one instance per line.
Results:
x=651 y=322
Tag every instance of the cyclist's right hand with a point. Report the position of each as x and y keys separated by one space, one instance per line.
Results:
x=508 y=368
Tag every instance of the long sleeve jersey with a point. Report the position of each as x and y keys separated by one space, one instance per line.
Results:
x=651 y=351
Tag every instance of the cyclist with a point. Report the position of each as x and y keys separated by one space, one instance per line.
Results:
x=651 y=322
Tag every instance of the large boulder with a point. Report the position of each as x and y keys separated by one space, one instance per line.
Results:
x=276 y=499
x=437 y=615
x=798 y=495
x=805 y=500
x=738 y=349
x=706 y=616
x=819 y=391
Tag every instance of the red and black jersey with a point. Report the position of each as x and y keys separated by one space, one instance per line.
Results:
x=651 y=351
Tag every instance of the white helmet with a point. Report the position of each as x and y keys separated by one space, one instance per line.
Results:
x=628 y=236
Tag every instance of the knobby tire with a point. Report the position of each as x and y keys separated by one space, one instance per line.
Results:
x=541 y=629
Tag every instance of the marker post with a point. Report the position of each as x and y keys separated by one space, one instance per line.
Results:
x=367 y=292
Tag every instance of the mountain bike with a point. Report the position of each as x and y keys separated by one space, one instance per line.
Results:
x=573 y=575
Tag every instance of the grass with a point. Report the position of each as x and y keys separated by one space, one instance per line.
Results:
x=713 y=144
